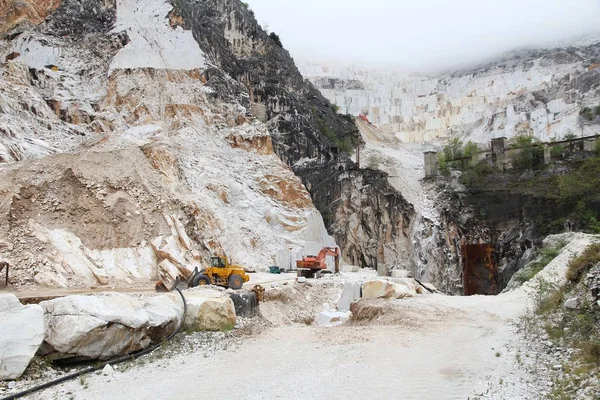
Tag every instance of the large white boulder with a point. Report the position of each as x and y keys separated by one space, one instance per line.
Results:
x=390 y=288
x=401 y=291
x=368 y=272
x=21 y=334
x=405 y=287
x=209 y=310
x=332 y=318
x=106 y=325
x=378 y=289
x=350 y=293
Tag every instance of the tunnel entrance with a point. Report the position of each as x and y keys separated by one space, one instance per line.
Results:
x=480 y=272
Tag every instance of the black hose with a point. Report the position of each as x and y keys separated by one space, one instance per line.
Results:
x=418 y=281
x=115 y=361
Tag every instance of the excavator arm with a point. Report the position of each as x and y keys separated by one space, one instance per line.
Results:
x=333 y=252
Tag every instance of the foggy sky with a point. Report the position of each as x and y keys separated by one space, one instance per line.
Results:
x=421 y=35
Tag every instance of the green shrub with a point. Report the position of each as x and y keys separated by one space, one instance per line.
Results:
x=549 y=297
x=345 y=145
x=471 y=149
x=531 y=154
x=578 y=266
x=545 y=256
x=597 y=110
x=577 y=190
x=525 y=275
x=557 y=151
x=521 y=141
x=587 y=114
x=597 y=147
x=583 y=323
x=586 y=219
x=555 y=332
x=453 y=149
x=570 y=136
x=590 y=351
x=582 y=184
x=325 y=129
x=578 y=329
x=475 y=176
x=531 y=157
x=548 y=224
x=443 y=165
x=276 y=39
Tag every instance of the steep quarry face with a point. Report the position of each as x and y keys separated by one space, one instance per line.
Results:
x=126 y=157
x=421 y=226
x=531 y=92
x=306 y=130
x=174 y=117
x=278 y=94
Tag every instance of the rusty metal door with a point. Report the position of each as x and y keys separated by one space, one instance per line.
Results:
x=480 y=273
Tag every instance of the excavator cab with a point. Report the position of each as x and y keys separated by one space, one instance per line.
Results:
x=217 y=262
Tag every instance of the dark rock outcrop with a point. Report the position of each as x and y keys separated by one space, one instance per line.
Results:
x=245 y=303
x=593 y=282
x=368 y=217
x=80 y=17
x=295 y=110
x=514 y=211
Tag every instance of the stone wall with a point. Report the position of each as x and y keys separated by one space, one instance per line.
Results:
x=503 y=157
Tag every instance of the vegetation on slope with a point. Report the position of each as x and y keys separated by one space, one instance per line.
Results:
x=577 y=329
x=569 y=189
x=345 y=145
x=457 y=155
x=545 y=256
x=580 y=265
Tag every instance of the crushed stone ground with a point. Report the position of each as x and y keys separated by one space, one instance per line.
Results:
x=426 y=347
x=440 y=348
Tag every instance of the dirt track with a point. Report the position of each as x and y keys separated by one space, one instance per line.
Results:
x=34 y=294
x=430 y=347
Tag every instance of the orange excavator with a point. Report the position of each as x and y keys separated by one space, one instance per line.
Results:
x=310 y=266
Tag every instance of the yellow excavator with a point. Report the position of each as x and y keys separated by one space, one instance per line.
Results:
x=219 y=273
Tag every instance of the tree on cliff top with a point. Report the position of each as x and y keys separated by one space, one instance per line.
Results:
x=276 y=39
